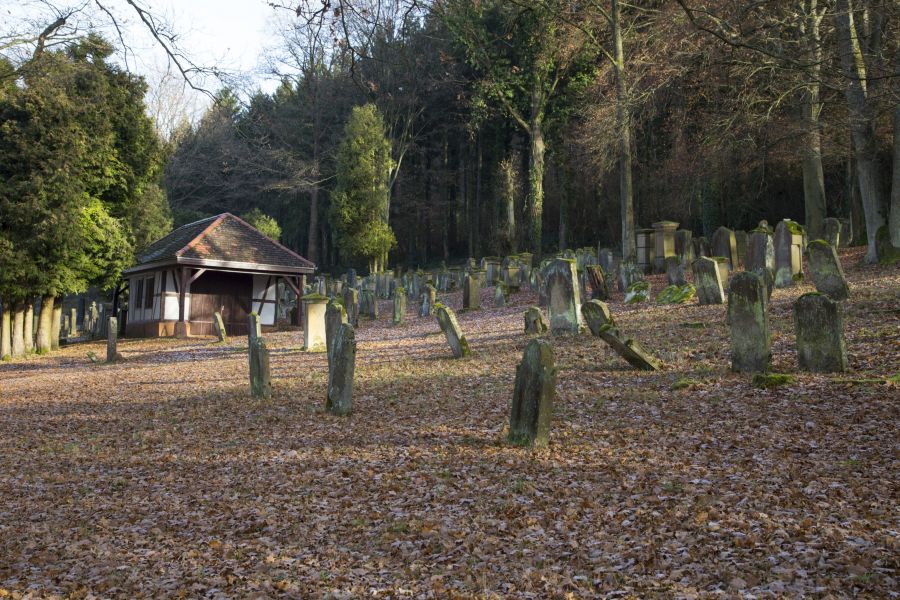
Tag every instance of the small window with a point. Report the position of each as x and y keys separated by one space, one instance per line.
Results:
x=148 y=292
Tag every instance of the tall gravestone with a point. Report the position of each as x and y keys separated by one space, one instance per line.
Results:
x=472 y=293
x=665 y=243
x=260 y=373
x=724 y=244
x=818 y=321
x=428 y=301
x=368 y=304
x=533 y=396
x=399 y=306
x=351 y=305
x=708 y=281
x=455 y=338
x=314 y=323
x=846 y=232
x=335 y=316
x=675 y=271
x=646 y=249
x=564 y=297
x=254 y=327
x=760 y=251
x=826 y=271
x=749 y=318
x=351 y=277
x=219 y=325
x=788 y=252
x=112 y=338
x=339 y=399
x=607 y=261
x=534 y=320
x=684 y=247
x=741 y=239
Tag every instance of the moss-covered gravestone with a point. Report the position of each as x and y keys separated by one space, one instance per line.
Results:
x=628 y=349
x=788 y=253
x=534 y=320
x=637 y=292
x=455 y=338
x=596 y=315
x=399 y=305
x=708 y=281
x=533 y=396
x=339 y=400
x=112 y=337
x=368 y=304
x=676 y=294
x=472 y=293
x=598 y=283
x=219 y=326
x=826 y=271
x=818 y=321
x=675 y=271
x=351 y=305
x=260 y=375
x=724 y=244
x=564 y=295
x=428 y=300
x=749 y=318
x=335 y=316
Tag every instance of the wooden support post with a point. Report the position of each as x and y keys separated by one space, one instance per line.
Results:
x=181 y=327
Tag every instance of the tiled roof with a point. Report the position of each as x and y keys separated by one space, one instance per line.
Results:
x=223 y=238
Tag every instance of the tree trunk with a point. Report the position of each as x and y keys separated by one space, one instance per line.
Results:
x=45 y=325
x=55 y=324
x=563 y=218
x=29 y=327
x=862 y=123
x=476 y=225
x=894 y=218
x=623 y=128
x=813 y=176
x=536 y=174
x=312 y=244
x=18 y=330
x=5 y=333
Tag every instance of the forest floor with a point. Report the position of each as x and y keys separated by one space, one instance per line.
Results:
x=159 y=476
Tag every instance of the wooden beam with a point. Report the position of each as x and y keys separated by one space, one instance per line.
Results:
x=197 y=274
x=181 y=289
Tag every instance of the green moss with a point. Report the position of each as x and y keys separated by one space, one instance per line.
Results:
x=315 y=298
x=399 y=290
x=794 y=227
x=684 y=382
x=6 y=358
x=797 y=277
x=887 y=253
x=676 y=294
x=769 y=381
x=693 y=325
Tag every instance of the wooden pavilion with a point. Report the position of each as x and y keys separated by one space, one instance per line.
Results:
x=220 y=263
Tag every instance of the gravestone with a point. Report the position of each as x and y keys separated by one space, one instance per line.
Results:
x=760 y=251
x=749 y=318
x=639 y=291
x=607 y=260
x=335 y=316
x=599 y=288
x=219 y=326
x=675 y=271
x=722 y=264
x=368 y=304
x=512 y=277
x=534 y=320
x=254 y=327
x=684 y=247
x=724 y=244
x=701 y=247
x=740 y=239
x=846 y=232
x=500 y=296
x=826 y=271
x=339 y=394
x=351 y=305
x=818 y=321
x=260 y=374
x=596 y=315
x=564 y=297
x=112 y=338
x=429 y=299
x=472 y=293
x=833 y=232
x=665 y=243
x=768 y=277
x=629 y=274
x=314 y=323
x=533 y=396
x=399 y=306
x=788 y=253
x=351 y=277
x=708 y=281
x=73 y=322
x=676 y=294
x=455 y=338
x=646 y=249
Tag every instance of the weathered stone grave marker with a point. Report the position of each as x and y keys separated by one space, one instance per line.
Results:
x=472 y=293
x=449 y=325
x=534 y=320
x=314 y=323
x=708 y=281
x=351 y=305
x=749 y=318
x=339 y=399
x=219 y=326
x=112 y=338
x=826 y=271
x=399 y=306
x=335 y=316
x=788 y=253
x=760 y=250
x=533 y=396
x=818 y=321
x=601 y=324
x=564 y=297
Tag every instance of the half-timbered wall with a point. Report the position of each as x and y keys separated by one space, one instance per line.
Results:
x=265 y=293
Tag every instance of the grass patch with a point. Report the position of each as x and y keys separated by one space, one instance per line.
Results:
x=770 y=381
x=684 y=382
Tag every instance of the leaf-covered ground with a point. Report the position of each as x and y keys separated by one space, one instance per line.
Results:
x=160 y=476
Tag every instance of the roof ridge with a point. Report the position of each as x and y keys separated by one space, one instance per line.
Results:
x=270 y=240
x=217 y=220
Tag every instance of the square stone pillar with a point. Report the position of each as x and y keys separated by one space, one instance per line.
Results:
x=646 y=249
x=665 y=243
x=314 y=323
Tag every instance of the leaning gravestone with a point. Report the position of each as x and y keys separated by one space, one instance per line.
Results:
x=833 y=232
x=534 y=320
x=724 y=244
x=472 y=293
x=708 y=281
x=760 y=250
x=314 y=323
x=637 y=292
x=112 y=339
x=455 y=338
x=600 y=321
x=335 y=316
x=429 y=299
x=260 y=375
x=533 y=395
x=826 y=270
x=564 y=297
x=675 y=271
x=399 y=306
x=599 y=289
x=219 y=326
x=818 y=321
x=788 y=253
x=750 y=342
x=339 y=399
x=351 y=305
